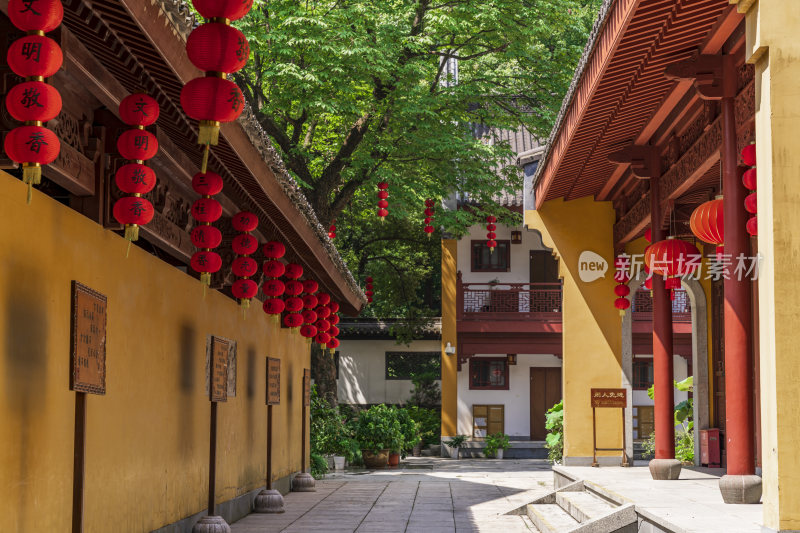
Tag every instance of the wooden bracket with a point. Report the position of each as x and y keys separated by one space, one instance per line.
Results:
x=714 y=76
x=643 y=160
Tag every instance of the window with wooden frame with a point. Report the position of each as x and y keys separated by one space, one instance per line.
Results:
x=488 y=373
x=487 y=420
x=642 y=374
x=484 y=260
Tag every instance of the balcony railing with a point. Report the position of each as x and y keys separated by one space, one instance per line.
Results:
x=511 y=301
x=643 y=306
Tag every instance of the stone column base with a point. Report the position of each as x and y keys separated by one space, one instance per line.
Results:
x=211 y=524
x=665 y=468
x=268 y=501
x=303 y=482
x=740 y=489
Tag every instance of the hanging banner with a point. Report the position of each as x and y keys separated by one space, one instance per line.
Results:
x=219 y=350
x=306 y=387
x=88 y=354
x=273 y=381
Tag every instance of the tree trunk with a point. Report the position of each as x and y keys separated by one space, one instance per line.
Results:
x=323 y=369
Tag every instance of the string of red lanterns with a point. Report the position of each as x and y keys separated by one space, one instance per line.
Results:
x=206 y=210
x=218 y=49
x=383 y=203
x=244 y=267
x=749 y=178
x=135 y=179
x=310 y=302
x=293 y=318
x=334 y=330
x=273 y=287
x=429 y=212
x=322 y=324
x=622 y=277
x=33 y=102
x=332 y=230
x=491 y=235
x=368 y=289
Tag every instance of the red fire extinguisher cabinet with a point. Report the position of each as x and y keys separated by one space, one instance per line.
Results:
x=709 y=448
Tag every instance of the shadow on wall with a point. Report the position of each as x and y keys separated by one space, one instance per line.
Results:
x=189 y=357
x=349 y=383
x=25 y=365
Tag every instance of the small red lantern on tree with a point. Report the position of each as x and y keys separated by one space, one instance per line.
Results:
x=368 y=289
x=244 y=266
x=429 y=212
x=708 y=224
x=33 y=57
x=383 y=203
x=332 y=230
x=491 y=235
x=219 y=50
x=206 y=210
x=137 y=145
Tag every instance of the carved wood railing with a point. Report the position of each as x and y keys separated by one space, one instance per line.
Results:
x=509 y=301
x=643 y=306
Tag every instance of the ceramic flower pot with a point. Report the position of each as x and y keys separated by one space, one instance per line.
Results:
x=375 y=460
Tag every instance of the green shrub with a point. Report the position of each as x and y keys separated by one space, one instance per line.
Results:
x=378 y=429
x=430 y=423
x=459 y=441
x=684 y=446
x=497 y=441
x=328 y=431
x=555 y=432
x=319 y=466
x=426 y=392
x=409 y=430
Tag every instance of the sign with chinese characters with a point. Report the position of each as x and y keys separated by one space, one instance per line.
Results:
x=88 y=340
x=220 y=349
x=273 y=381
x=609 y=398
x=306 y=387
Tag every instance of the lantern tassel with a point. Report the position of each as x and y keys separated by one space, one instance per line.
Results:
x=621 y=313
x=204 y=163
x=32 y=173
x=209 y=133
x=128 y=249
x=132 y=232
x=30 y=193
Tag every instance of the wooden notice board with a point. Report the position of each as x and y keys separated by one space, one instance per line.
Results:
x=273 y=381
x=88 y=354
x=220 y=348
x=306 y=387
x=609 y=398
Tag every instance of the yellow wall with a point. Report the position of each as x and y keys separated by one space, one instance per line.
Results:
x=592 y=328
x=772 y=27
x=147 y=438
x=449 y=362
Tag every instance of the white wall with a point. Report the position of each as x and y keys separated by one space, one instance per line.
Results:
x=520 y=255
x=362 y=370
x=517 y=399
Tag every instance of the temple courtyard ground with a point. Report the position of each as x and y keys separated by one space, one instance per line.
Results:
x=435 y=495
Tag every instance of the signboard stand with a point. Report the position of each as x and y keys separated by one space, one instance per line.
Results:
x=304 y=482
x=88 y=376
x=614 y=398
x=270 y=500
x=218 y=392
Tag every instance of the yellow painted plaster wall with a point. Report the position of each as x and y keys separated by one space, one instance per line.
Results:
x=449 y=334
x=592 y=328
x=147 y=438
x=772 y=28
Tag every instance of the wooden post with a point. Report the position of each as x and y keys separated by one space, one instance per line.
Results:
x=303 y=466
x=212 y=461
x=594 y=437
x=269 y=447
x=79 y=462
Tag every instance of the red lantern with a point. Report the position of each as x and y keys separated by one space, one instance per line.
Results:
x=622 y=304
x=294 y=271
x=294 y=288
x=135 y=178
x=223 y=9
x=429 y=230
x=648 y=283
x=383 y=194
x=308 y=331
x=323 y=325
x=206 y=263
x=245 y=221
x=490 y=227
x=274 y=288
x=273 y=268
x=334 y=331
x=206 y=236
x=323 y=311
x=33 y=101
x=749 y=179
x=210 y=100
x=334 y=307
x=491 y=244
x=334 y=319
x=309 y=316
x=244 y=267
x=139 y=109
x=137 y=145
x=244 y=244
x=274 y=306
x=206 y=210
x=275 y=250
x=309 y=301
x=749 y=155
x=322 y=337
x=491 y=235
x=292 y=320
x=383 y=213
x=333 y=344
x=207 y=184
x=750 y=203
x=218 y=47
x=324 y=298
x=752 y=226
x=132 y=210
x=622 y=290
x=32 y=146
x=310 y=286
x=648 y=235
x=294 y=305
x=244 y=289
x=707 y=222
x=34 y=56
x=672 y=284
x=383 y=204
x=332 y=232
x=672 y=257
x=41 y=15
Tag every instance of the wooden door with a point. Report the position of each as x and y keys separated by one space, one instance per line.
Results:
x=544 y=267
x=487 y=420
x=545 y=392
x=643 y=422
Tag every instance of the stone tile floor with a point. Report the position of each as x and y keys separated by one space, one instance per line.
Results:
x=429 y=495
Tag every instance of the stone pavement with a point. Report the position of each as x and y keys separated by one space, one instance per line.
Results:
x=429 y=495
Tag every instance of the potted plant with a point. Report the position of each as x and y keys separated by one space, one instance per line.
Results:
x=455 y=444
x=496 y=444
x=430 y=423
x=376 y=429
x=409 y=433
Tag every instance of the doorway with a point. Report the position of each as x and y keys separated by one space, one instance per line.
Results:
x=544 y=267
x=545 y=392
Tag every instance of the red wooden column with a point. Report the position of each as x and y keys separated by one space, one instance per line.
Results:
x=741 y=485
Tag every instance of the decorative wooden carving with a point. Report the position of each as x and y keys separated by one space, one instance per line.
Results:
x=643 y=160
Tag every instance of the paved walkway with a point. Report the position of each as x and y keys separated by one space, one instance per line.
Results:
x=429 y=495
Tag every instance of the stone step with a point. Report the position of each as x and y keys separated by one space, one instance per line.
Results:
x=550 y=518
x=583 y=506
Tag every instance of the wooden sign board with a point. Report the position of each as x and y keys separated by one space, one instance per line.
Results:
x=88 y=354
x=220 y=348
x=273 y=381
x=609 y=398
x=306 y=387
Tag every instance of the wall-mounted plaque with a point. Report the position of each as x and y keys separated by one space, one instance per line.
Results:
x=306 y=387
x=273 y=381
x=609 y=398
x=220 y=348
x=88 y=352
